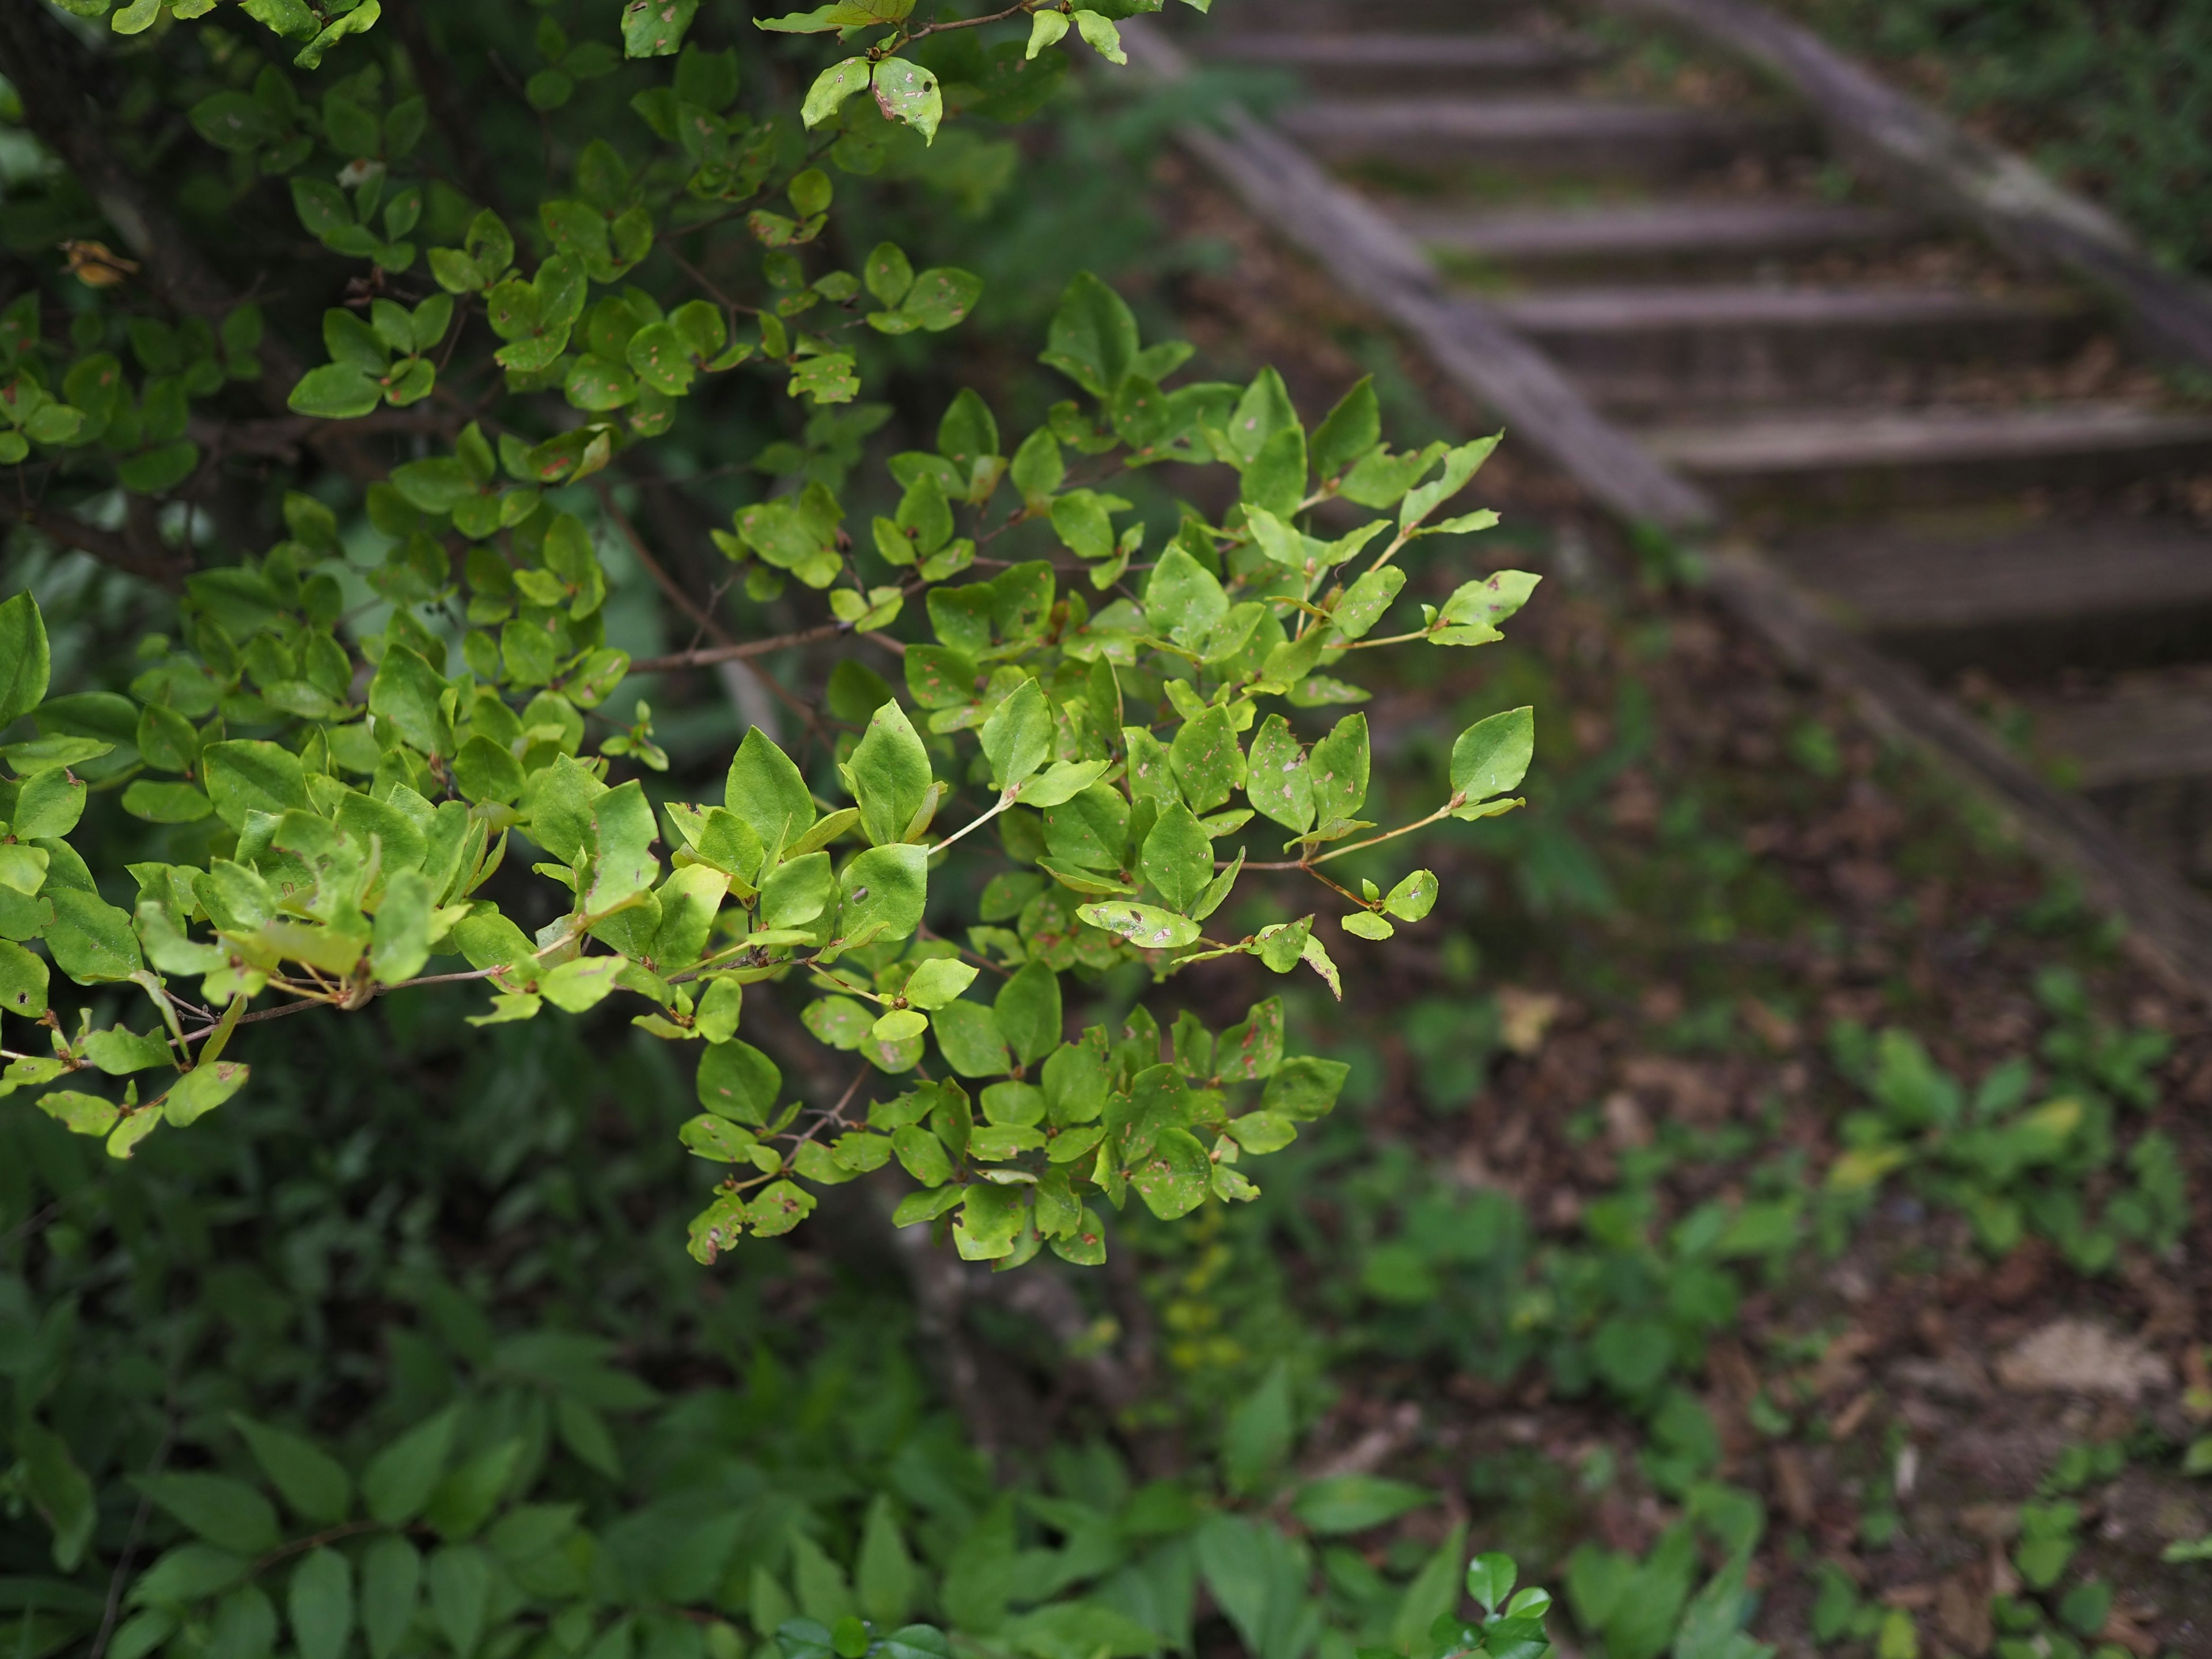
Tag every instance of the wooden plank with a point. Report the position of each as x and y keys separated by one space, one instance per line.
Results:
x=1667 y=351
x=2067 y=571
x=1492 y=53
x=2170 y=922
x=2143 y=731
x=1633 y=230
x=1821 y=442
x=1378 y=264
x=1931 y=159
x=1648 y=309
x=1547 y=135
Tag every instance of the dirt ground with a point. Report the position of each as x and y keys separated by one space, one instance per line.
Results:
x=1920 y=1374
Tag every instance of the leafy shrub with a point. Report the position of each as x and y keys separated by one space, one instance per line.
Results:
x=340 y=798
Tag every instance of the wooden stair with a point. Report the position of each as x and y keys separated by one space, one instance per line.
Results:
x=1907 y=452
x=1689 y=231
x=1396 y=62
x=1660 y=347
x=1827 y=459
x=1539 y=135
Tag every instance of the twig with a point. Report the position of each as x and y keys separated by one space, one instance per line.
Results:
x=674 y=589
x=144 y=1512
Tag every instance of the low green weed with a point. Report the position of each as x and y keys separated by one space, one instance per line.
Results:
x=2014 y=1168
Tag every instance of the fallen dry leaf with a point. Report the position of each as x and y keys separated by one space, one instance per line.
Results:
x=2079 y=1356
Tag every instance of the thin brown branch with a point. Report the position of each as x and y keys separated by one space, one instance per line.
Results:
x=706 y=656
x=1026 y=6
x=727 y=649
x=167 y=567
x=279 y=437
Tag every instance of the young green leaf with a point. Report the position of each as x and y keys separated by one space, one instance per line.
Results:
x=1492 y=755
x=319 y=1604
x=890 y=773
x=1017 y=737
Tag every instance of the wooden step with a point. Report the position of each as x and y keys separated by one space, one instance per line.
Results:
x=1284 y=17
x=1870 y=459
x=1537 y=135
x=1650 y=347
x=2145 y=729
x=1688 y=231
x=2016 y=596
x=1399 y=63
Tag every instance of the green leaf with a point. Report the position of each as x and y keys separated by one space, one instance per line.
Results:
x=907 y=92
x=1178 y=858
x=882 y=893
x=356 y=21
x=1366 y=599
x=1173 y=1178
x=1338 y=769
x=201 y=1090
x=1257 y=1437
x=1046 y=28
x=1305 y=1087
x=321 y=1605
x=1017 y=737
x=1143 y=925
x=1061 y=782
x=249 y=775
x=1184 y=599
x=408 y=692
x=1433 y=1593
x=23 y=981
x=90 y=940
x=460 y=1580
x=622 y=863
x=938 y=982
x=1353 y=427
x=1490 y=1580
x=889 y=774
x=63 y=1494
x=1027 y=1011
x=972 y=1042
x=391 y=1586
x=1104 y=38
x=48 y=805
x=1492 y=755
x=486 y=771
x=228 y=1513
x=738 y=1082
x=1207 y=764
x=336 y=391
x=886 y=1580
x=990 y=1218
x=654 y=28
x=766 y=790
x=939 y=299
x=1274 y=480
x=1460 y=464
x=24 y=659
x=310 y=1480
x=1413 y=898
x=798 y=892
x=398 y=1480
x=79 y=1113
x=1093 y=336
x=1279 y=783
